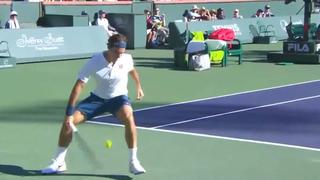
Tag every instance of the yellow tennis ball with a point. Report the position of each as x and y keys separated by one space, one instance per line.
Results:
x=108 y=144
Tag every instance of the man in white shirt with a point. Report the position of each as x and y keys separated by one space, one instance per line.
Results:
x=236 y=14
x=103 y=21
x=267 y=11
x=13 y=22
x=110 y=70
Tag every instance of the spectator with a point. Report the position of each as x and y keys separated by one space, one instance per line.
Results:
x=236 y=14
x=159 y=22
x=258 y=13
x=220 y=14
x=267 y=11
x=103 y=21
x=148 y=22
x=316 y=4
x=204 y=14
x=195 y=9
x=159 y=18
x=152 y=41
x=95 y=19
x=194 y=13
x=213 y=14
x=13 y=22
x=147 y=13
x=186 y=16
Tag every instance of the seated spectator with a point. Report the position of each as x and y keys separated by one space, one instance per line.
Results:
x=316 y=4
x=267 y=11
x=13 y=22
x=159 y=25
x=236 y=14
x=204 y=14
x=159 y=32
x=159 y=18
x=213 y=14
x=186 y=16
x=195 y=9
x=194 y=13
x=95 y=19
x=220 y=14
x=103 y=21
x=148 y=20
x=152 y=41
x=258 y=13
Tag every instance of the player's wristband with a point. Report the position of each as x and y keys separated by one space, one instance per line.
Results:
x=70 y=110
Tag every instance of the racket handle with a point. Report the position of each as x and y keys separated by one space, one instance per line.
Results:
x=72 y=126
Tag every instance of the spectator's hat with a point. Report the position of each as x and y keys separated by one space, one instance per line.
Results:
x=213 y=11
x=220 y=9
x=260 y=10
x=13 y=13
x=236 y=10
x=203 y=7
x=267 y=6
x=157 y=9
x=102 y=12
x=194 y=7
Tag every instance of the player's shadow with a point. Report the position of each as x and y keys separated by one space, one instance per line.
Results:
x=19 y=171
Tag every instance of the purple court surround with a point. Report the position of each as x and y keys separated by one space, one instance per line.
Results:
x=287 y=115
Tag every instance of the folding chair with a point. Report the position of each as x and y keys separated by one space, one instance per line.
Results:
x=235 y=49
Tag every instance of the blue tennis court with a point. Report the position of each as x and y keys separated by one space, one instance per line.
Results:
x=287 y=115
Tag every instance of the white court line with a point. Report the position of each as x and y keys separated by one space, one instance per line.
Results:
x=214 y=137
x=216 y=97
x=236 y=111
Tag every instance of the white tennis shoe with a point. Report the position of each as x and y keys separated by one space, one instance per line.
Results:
x=55 y=167
x=136 y=168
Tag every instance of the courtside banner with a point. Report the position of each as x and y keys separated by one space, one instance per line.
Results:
x=45 y=44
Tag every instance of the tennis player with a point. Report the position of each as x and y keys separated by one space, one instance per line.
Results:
x=110 y=70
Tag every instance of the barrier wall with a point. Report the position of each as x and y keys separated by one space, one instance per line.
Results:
x=4 y=13
x=73 y=9
x=57 y=20
x=245 y=29
x=44 y=44
x=131 y=25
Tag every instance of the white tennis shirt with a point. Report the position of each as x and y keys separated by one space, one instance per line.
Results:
x=111 y=79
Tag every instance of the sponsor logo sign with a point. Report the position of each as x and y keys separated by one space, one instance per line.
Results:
x=45 y=43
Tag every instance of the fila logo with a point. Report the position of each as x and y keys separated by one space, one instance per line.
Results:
x=298 y=47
